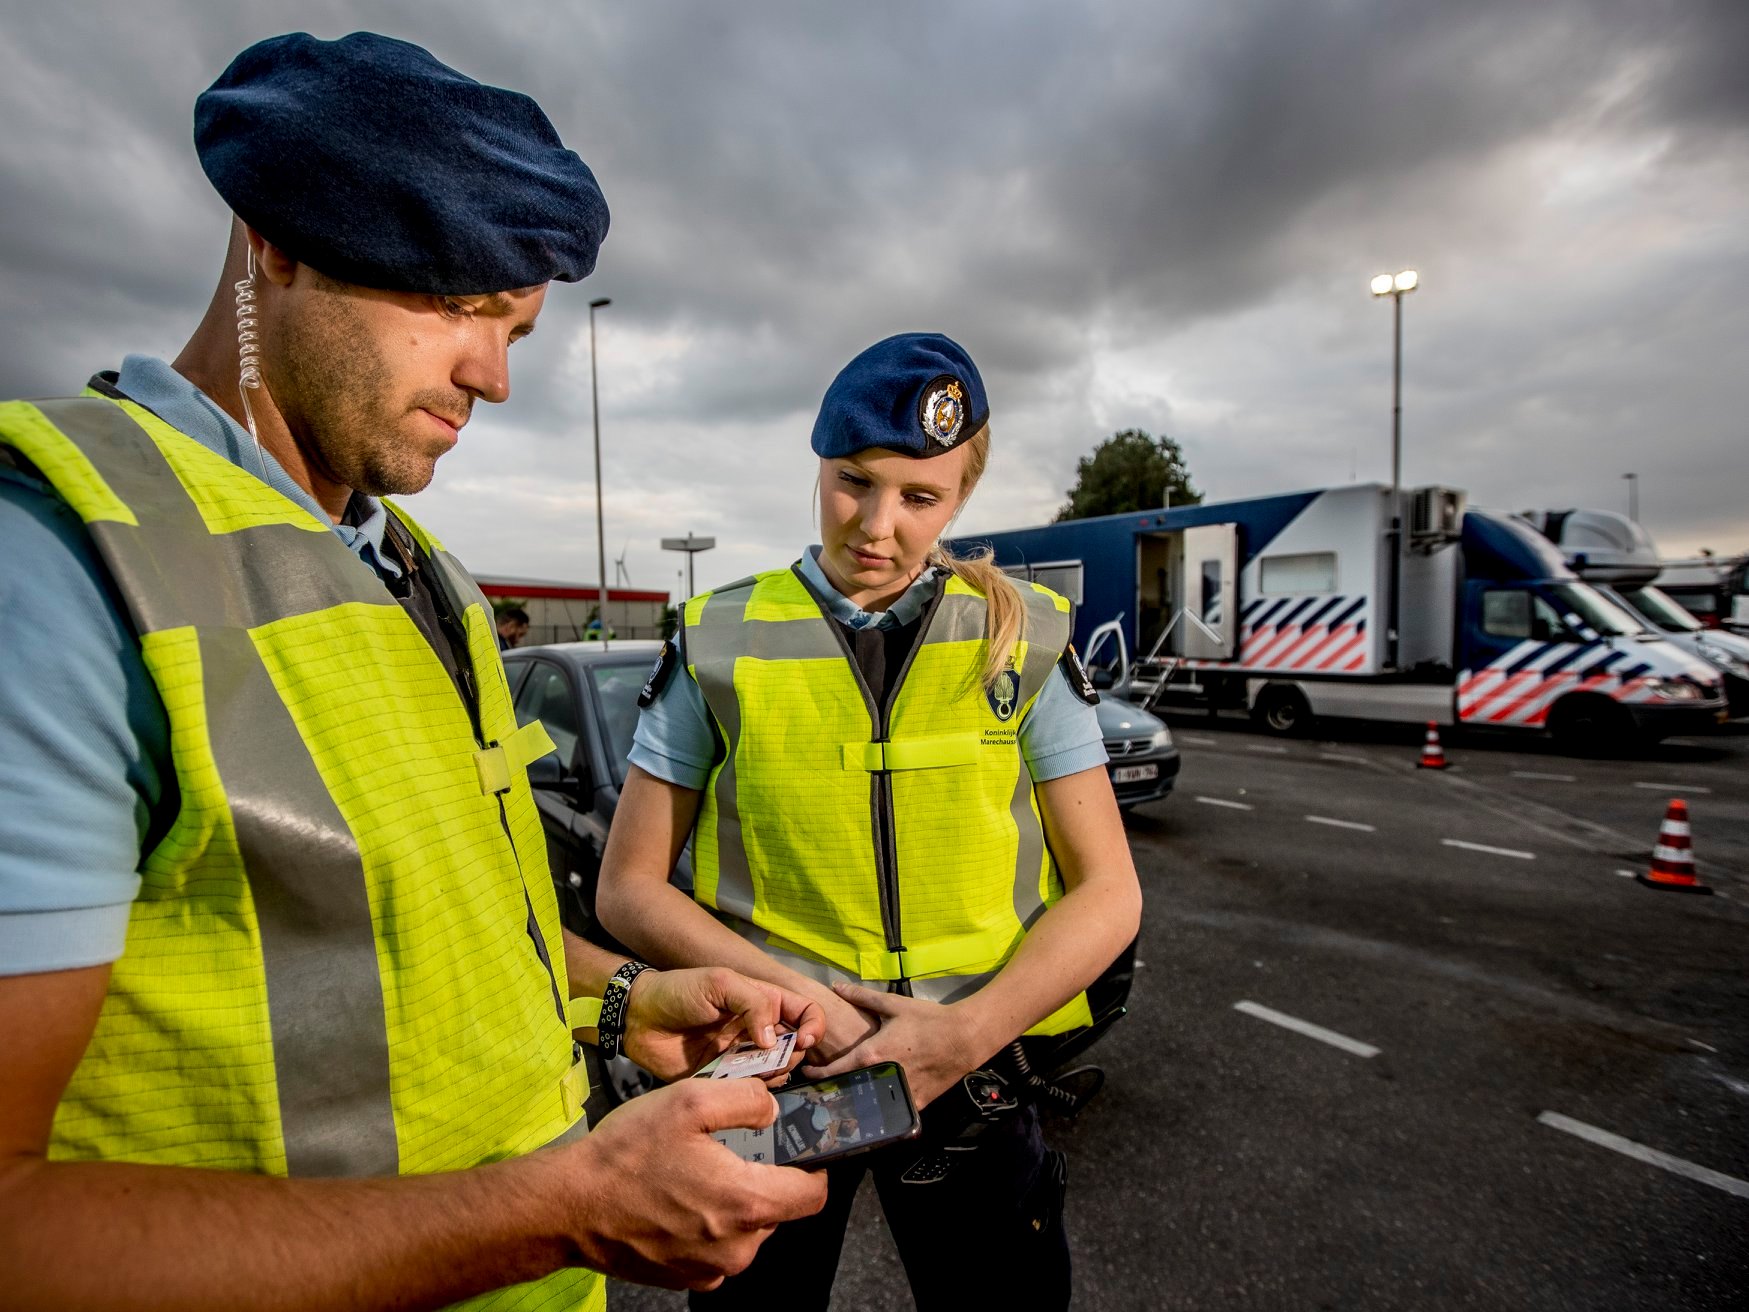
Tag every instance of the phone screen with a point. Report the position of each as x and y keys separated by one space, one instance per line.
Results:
x=828 y=1119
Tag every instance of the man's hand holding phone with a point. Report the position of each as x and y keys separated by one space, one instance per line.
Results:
x=661 y=1203
x=821 y=1121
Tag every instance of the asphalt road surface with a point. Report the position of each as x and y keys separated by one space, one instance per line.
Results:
x=1414 y=1039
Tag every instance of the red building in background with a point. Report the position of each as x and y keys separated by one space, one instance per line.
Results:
x=563 y=612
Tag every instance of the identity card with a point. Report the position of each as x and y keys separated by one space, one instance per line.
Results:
x=748 y=1059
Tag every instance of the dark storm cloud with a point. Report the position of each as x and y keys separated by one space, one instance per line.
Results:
x=1113 y=205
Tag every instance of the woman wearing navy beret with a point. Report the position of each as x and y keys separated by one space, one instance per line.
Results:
x=888 y=765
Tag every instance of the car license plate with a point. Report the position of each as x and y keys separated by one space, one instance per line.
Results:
x=1134 y=774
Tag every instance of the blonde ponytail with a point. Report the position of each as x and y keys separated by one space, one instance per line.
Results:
x=1005 y=612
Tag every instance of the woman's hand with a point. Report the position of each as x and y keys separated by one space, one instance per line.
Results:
x=935 y=1043
x=677 y=1020
x=847 y=1025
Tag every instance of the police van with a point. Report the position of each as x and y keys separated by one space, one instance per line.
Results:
x=1616 y=555
x=1342 y=602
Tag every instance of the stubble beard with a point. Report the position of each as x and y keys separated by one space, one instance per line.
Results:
x=335 y=392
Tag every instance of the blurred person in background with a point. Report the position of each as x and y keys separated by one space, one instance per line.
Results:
x=512 y=627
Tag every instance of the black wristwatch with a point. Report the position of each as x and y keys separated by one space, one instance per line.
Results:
x=614 y=999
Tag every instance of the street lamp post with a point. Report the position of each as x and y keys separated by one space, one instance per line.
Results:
x=600 y=522
x=691 y=546
x=1633 y=496
x=1396 y=286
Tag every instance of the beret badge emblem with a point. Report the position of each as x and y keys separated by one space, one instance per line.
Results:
x=943 y=411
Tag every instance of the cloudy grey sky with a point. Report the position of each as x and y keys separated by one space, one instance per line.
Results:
x=1151 y=213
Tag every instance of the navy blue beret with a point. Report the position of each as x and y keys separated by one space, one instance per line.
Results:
x=369 y=160
x=918 y=393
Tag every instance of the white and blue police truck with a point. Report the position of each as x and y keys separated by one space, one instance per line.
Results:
x=1616 y=555
x=1289 y=606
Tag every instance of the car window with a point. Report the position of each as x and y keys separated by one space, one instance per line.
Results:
x=1550 y=625
x=546 y=696
x=1591 y=607
x=1506 y=614
x=514 y=673
x=617 y=688
x=1663 y=612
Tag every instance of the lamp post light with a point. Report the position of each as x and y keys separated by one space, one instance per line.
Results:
x=1633 y=496
x=600 y=523
x=691 y=546
x=1396 y=286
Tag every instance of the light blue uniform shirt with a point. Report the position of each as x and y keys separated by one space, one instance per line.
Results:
x=85 y=766
x=675 y=740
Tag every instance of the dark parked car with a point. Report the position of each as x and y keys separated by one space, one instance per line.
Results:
x=588 y=700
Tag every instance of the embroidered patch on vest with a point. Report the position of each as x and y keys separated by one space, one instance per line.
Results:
x=1076 y=674
x=660 y=673
x=1004 y=695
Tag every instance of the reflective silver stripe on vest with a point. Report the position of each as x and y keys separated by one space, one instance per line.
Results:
x=324 y=991
x=1047 y=636
x=575 y=1131
x=941 y=988
x=720 y=622
x=172 y=570
x=722 y=635
x=957 y=618
x=306 y=878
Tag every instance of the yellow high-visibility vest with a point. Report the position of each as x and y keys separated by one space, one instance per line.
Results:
x=345 y=957
x=852 y=844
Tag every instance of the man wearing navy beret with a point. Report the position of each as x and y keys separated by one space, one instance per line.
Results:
x=288 y=1015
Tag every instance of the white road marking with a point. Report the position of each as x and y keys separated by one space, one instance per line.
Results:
x=1704 y=1047
x=1674 y=788
x=1639 y=1152
x=1554 y=778
x=1260 y=747
x=1310 y=1030
x=1341 y=824
x=1200 y=742
x=1343 y=756
x=1625 y=874
x=1221 y=801
x=1491 y=851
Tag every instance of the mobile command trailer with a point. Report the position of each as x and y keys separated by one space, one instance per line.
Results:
x=1282 y=605
x=1618 y=556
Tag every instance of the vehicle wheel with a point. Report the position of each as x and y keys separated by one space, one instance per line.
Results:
x=1592 y=726
x=1282 y=711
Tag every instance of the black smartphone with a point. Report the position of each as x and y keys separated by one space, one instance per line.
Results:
x=823 y=1121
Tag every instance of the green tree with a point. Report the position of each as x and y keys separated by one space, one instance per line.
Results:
x=1131 y=470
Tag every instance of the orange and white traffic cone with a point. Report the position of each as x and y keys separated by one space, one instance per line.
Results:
x=1673 y=858
x=1432 y=754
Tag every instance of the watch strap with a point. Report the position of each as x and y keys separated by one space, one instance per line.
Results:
x=611 y=1026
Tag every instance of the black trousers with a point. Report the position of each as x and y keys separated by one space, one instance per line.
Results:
x=988 y=1234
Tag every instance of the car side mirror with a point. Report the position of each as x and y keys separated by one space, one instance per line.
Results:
x=546 y=772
